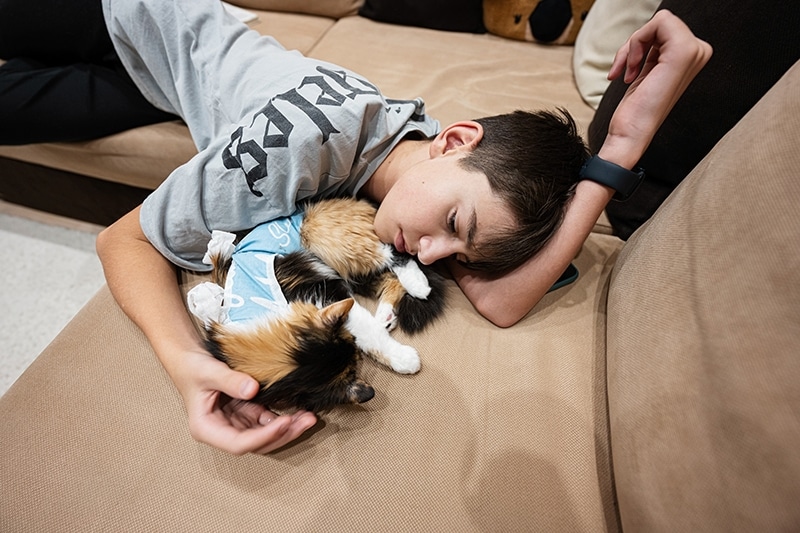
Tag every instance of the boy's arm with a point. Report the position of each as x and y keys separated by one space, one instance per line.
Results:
x=144 y=283
x=674 y=57
x=505 y=299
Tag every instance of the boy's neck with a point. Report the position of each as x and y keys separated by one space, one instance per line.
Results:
x=405 y=154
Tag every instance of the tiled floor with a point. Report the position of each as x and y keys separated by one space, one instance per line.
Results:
x=50 y=271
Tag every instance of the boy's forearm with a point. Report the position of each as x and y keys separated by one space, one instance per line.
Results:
x=506 y=299
x=145 y=286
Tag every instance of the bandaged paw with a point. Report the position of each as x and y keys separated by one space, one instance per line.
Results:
x=221 y=244
x=206 y=301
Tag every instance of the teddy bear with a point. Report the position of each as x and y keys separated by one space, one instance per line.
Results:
x=544 y=21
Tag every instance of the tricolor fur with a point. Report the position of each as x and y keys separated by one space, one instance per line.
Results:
x=309 y=356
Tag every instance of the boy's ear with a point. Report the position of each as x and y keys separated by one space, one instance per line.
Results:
x=464 y=135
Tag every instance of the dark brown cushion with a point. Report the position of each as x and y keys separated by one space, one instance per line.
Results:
x=450 y=15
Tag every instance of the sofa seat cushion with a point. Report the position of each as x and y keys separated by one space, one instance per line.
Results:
x=141 y=157
x=144 y=157
x=704 y=338
x=460 y=76
x=502 y=430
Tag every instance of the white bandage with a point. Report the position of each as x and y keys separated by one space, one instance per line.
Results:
x=206 y=301
x=221 y=244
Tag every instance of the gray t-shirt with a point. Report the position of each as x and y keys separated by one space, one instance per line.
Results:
x=272 y=127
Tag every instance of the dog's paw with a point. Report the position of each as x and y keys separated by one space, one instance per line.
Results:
x=413 y=280
x=404 y=360
x=385 y=315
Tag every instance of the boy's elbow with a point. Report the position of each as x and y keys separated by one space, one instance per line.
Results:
x=102 y=243
x=107 y=242
x=118 y=236
x=506 y=322
x=502 y=316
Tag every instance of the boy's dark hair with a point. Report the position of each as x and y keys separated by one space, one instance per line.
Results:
x=532 y=161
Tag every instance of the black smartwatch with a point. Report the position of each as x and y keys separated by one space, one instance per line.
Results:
x=606 y=173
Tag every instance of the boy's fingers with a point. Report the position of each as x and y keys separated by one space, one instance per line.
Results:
x=239 y=385
x=298 y=424
x=219 y=376
x=217 y=430
x=259 y=439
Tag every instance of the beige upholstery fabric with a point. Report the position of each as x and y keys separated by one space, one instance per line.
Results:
x=461 y=76
x=323 y=8
x=141 y=157
x=144 y=157
x=704 y=340
x=502 y=430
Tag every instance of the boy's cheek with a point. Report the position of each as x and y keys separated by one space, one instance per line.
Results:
x=379 y=227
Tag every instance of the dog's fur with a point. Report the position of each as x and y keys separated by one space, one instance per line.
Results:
x=308 y=357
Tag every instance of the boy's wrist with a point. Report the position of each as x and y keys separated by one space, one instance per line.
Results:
x=621 y=150
x=623 y=181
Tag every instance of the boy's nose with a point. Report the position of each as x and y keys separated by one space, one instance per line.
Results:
x=432 y=249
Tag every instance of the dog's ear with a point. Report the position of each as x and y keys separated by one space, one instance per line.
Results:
x=334 y=315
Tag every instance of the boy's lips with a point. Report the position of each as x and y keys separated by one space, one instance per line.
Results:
x=400 y=243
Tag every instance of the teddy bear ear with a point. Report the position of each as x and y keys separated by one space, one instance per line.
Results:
x=509 y=18
x=545 y=21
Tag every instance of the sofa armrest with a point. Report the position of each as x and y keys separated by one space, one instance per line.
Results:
x=704 y=336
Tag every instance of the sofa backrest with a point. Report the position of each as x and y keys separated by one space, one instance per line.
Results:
x=704 y=339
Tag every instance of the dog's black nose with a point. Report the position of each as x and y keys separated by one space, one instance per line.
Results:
x=360 y=392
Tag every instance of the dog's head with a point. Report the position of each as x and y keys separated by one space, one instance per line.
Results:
x=304 y=359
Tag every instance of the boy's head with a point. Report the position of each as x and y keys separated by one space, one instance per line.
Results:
x=532 y=161
x=489 y=192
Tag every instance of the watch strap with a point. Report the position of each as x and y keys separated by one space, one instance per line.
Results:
x=606 y=173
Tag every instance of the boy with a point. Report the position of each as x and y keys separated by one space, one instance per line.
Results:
x=438 y=195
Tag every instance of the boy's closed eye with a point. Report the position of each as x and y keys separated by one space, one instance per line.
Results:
x=451 y=222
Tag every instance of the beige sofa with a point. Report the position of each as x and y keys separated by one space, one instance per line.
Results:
x=659 y=392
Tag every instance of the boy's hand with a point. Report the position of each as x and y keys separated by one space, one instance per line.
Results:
x=674 y=57
x=220 y=415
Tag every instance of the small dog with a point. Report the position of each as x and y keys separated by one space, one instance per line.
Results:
x=283 y=308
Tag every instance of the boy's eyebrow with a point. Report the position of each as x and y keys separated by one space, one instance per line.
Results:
x=472 y=227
